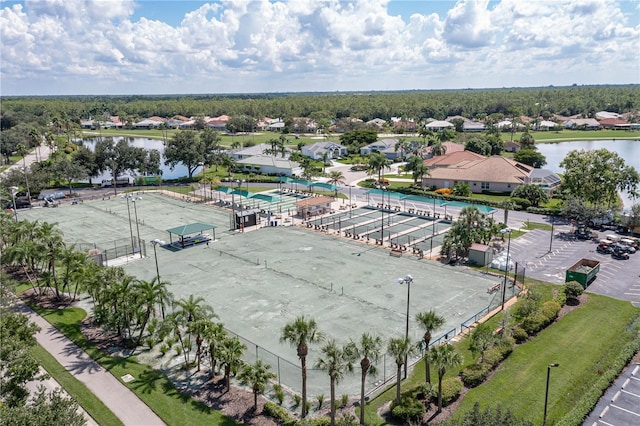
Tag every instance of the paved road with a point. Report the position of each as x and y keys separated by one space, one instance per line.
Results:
x=117 y=397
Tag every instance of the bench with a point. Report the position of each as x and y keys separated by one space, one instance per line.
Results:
x=493 y=288
x=396 y=253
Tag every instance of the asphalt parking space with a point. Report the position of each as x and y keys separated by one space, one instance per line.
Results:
x=621 y=403
x=617 y=278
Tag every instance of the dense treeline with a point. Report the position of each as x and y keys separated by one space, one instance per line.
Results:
x=586 y=100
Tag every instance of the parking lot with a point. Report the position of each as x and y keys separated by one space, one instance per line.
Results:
x=621 y=403
x=617 y=278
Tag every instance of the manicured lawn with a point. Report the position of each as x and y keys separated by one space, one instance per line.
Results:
x=529 y=226
x=83 y=396
x=153 y=387
x=582 y=343
x=577 y=135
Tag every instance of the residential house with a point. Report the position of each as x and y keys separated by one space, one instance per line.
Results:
x=149 y=123
x=317 y=150
x=252 y=151
x=582 y=123
x=615 y=123
x=601 y=115
x=451 y=158
x=385 y=146
x=511 y=146
x=544 y=125
x=378 y=122
x=450 y=147
x=438 y=125
x=495 y=173
x=545 y=179
x=270 y=165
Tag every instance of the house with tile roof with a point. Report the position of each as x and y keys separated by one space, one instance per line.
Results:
x=450 y=148
x=615 y=123
x=582 y=123
x=451 y=158
x=317 y=150
x=251 y=151
x=495 y=173
x=385 y=146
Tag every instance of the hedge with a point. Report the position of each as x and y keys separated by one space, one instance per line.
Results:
x=280 y=414
x=408 y=410
x=519 y=334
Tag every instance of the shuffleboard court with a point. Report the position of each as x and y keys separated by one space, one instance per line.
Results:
x=260 y=280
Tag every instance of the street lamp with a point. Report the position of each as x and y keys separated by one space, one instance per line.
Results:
x=155 y=254
x=546 y=392
x=26 y=181
x=14 y=191
x=130 y=226
x=506 y=265
x=408 y=279
x=135 y=210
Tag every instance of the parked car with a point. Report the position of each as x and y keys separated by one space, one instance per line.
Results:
x=21 y=203
x=604 y=249
x=623 y=248
x=619 y=255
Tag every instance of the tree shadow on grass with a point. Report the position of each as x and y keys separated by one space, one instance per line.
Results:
x=149 y=381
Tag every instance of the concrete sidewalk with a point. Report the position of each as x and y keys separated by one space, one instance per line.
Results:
x=116 y=396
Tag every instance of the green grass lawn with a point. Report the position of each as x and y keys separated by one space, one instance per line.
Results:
x=576 y=135
x=581 y=343
x=530 y=226
x=83 y=396
x=151 y=386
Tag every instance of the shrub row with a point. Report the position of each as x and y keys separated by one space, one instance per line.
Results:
x=477 y=373
x=451 y=388
x=281 y=415
x=541 y=317
x=583 y=407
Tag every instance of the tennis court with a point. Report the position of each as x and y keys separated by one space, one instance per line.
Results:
x=260 y=280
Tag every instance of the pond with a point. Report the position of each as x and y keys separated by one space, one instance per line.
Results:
x=629 y=150
x=180 y=170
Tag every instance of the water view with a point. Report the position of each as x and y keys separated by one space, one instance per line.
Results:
x=178 y=171
x=629 y=150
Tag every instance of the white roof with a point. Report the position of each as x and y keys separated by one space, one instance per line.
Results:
x=439 y=124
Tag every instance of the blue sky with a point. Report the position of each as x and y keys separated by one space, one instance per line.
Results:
x=51 y=47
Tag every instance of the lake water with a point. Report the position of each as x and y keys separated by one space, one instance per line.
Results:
x=180 y=170
x=629 y=150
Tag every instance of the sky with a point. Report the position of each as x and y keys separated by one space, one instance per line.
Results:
x=115 y=47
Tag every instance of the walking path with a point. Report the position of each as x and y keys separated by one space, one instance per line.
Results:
x=116 y=396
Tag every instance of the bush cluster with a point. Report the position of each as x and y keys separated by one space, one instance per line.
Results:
x=280 y=414
x=409 y=409
x=451 y=388
x=523 y=204
x=544 y=211
x=519 y=334
x=475 y=374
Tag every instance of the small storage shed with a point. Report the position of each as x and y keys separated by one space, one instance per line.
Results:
x=244 y=218
x=314 y=206
x=480 y=254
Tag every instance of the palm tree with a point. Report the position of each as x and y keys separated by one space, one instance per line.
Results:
x=400 y=349
x=420 y=171
x=151 y=293
x=443 y=357
x=336 y=177
x=368 y=349
x=214 y=333
x=377 y=163
x=438 y=148
x=257 y=376
x=337 y=362
x=507 y=205
x=231 y=352
x=428 y=321
x=299 y=334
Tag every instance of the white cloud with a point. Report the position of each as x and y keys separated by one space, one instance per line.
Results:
x=312 y=45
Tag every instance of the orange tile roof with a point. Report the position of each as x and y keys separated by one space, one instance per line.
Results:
x=314 y=201
x=452 y=158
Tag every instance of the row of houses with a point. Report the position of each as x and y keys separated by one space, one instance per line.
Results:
x=603 y=119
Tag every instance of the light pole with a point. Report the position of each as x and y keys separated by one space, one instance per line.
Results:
x=546 y=392
x=26 y=181
x=350 y=202
x=408 y=279
x=155 y=254
x=135 y=210
x=506 y=265
x=551 y=238
x=130 y=226
x=14 y=191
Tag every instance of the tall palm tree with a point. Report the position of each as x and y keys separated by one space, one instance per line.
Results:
x=400 y=348
x=429 y=322
x=257 y=376
x=438 y=148
x=377 y=163
x=337 y=362
x=368 y=349
x=214 y=334
x=443 y=357
x=300 y=333
x=231 y=352
x=336 y=177
x=151 y=293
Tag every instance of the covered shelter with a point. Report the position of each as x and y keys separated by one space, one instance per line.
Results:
x=314 y=206
x=323 y=185
x=191 y=234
